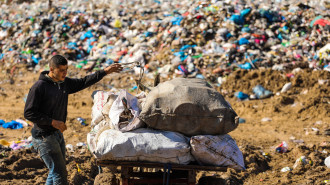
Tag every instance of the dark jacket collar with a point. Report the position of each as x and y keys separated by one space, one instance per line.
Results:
x=44 y=76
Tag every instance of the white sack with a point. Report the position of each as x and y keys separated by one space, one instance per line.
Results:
x=143 y=145
x=118 y=107
x=99 y=99
x=218 y=150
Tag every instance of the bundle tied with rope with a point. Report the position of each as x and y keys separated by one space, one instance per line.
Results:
x=140 y=86
x=188 y=106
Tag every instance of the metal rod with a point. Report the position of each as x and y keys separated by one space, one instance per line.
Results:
x=100 y=169
x=127 y=63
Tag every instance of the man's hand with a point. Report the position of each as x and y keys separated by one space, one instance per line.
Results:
x=60 y=125
x=113 y=68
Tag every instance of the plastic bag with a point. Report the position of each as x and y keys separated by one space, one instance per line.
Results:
x=99 y=99
x=124 y=112
x=142 y=145
x=219 y=150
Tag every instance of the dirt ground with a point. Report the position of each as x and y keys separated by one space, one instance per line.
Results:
x=300 y=117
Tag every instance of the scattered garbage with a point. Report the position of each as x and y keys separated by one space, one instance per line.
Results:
x=4 y=142
x=286 y=87
x=80 y=144
x=69 y=148
x=327 y=132
x=301 y=161
x=286 y=169
x=282 y=148
x=12 y=124
x=82 y=121
x=242 y=96
x=24 y=123
x=261 y=92
x=327 y=161
x=294 y=140
x=20 y=145
x=322 y=82
x=266 y=155
x=266 y=119
x=312 y=130
x=241 y=120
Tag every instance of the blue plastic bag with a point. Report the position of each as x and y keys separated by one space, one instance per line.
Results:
x=240 y=95
x=246 y=30
x=2 y=122
x=261 y=92
x=186 y=47
x=237 y=19
x=181 y=54
x=12 y=125
x=247 y=65
x=148 y=34
x=176 y=20
x=243 y=41
x=35 y=60
x=245 y=12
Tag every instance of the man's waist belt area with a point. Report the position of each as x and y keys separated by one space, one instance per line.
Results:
x=36 y=133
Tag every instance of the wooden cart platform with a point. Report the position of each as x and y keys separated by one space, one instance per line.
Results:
x=171 y=173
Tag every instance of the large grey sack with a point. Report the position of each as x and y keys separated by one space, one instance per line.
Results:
x=189 y=106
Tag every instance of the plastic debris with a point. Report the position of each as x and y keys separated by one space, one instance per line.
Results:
x=12 y=125
x=286 y=169
x=286 y=87
x=261 y=92
x=266 y=119
x=242 y=96
x=327 y=161
x=282 y=148
x=82 y=121
x=301 y=161
x=69 y=147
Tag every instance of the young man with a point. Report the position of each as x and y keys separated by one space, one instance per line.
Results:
x=46 y=107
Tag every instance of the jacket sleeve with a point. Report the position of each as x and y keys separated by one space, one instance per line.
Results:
x=32 y=107
x=78 y=84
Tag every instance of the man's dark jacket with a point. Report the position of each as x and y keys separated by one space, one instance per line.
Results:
x=48 y=100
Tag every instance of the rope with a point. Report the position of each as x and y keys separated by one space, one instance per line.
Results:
x=140 y=78
x=166 y=173
x=176 y=115
x=137 y=63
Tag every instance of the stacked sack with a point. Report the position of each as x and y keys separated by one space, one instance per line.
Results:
x=179 y=121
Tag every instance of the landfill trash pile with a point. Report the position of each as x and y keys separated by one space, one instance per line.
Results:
x=202 y=39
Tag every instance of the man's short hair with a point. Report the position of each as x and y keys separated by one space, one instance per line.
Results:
x=57 y=60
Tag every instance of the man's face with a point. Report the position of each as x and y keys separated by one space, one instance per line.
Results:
x=60 y=72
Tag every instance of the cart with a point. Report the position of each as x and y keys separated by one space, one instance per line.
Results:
x=172 y=173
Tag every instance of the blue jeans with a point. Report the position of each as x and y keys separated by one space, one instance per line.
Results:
x=52 y=151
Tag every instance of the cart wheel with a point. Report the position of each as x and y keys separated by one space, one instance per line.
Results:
x=106 y=178
x=211 y=181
